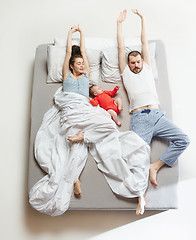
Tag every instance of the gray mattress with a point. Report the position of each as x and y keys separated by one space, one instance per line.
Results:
x=96 y=194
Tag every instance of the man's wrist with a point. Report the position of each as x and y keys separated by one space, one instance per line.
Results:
x=142 y=17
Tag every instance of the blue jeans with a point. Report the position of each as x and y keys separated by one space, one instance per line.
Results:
x=150 y=123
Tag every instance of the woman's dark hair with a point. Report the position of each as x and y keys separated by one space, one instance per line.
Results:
x=75 y=50
x=75 y=53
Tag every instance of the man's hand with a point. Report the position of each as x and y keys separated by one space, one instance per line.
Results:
x=137 y=12
x=122 y=16
x=122 y=58
x=144 y=40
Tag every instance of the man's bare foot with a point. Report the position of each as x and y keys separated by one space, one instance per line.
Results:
x=79 y=137
x=154 y=168
x=153 y=175
x=141 y=205
x=77 y=189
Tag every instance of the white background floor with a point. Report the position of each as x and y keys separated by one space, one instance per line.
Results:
x=24 y=24
x=172 y=224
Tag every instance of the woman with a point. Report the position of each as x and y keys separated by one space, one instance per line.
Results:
x=75 y=78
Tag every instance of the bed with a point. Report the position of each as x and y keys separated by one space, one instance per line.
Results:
x=96 y=193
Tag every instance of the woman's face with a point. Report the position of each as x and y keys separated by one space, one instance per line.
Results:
x=78 y=66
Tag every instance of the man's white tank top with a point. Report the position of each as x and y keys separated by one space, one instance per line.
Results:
x=140 y=87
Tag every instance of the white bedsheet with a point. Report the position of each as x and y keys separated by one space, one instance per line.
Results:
x=123 y=157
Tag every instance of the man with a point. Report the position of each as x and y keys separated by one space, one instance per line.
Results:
x=147 y=119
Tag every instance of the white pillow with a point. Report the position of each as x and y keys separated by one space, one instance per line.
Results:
x=61 y=42
x=94 y=59
x=55 y=60
x=110 y=68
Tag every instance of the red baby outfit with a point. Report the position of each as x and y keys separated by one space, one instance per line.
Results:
x=105 y=101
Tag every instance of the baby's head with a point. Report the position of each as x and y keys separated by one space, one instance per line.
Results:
x=95 y=90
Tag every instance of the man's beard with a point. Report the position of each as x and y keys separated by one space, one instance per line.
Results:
x=137 y=70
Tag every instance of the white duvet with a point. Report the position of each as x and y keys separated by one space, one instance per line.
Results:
x=123 y=157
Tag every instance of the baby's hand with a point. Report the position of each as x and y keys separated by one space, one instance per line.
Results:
x=90 y=99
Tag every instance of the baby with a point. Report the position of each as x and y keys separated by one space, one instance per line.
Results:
x=103 y=98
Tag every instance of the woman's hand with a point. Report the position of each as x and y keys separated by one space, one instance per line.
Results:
x=79 y=29
x=122 y=16
x=73 y=29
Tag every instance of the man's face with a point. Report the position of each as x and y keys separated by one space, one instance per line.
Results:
x=135 y=63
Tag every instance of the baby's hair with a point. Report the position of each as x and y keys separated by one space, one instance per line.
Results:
x=91 y=92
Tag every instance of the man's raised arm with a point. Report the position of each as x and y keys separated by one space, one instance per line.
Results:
x=120 y=39
x=144 y=40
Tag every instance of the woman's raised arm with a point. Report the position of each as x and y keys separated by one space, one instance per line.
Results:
x=83 y=52
x=68 y=52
